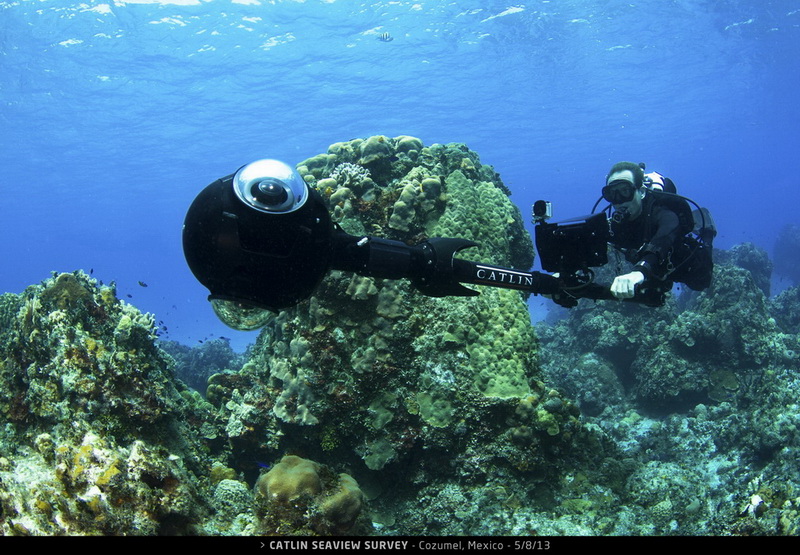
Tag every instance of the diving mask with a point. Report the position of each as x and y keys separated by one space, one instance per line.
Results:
x=619 y=191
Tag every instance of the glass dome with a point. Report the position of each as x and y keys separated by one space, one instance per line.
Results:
x=270 y=186
x=241 y=316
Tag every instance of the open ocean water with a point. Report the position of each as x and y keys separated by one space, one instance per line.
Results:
x=114 y=115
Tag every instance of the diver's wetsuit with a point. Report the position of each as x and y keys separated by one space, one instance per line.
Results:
x=660 y=244
x=648 y=241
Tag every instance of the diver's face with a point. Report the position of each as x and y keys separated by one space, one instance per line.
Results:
x=631 y=208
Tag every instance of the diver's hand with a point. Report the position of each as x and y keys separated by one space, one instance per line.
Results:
x=623 y=286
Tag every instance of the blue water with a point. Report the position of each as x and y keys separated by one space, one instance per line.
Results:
x=114 y=115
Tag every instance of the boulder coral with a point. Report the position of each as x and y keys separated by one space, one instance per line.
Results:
x=292 y=478
x=371 y=376
x=298 y=494
x=445 y=361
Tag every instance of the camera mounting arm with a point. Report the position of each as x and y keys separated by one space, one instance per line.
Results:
x=261 y=240
x=431 y=266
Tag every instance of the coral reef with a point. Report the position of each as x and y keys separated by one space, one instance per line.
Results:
x=787 y=253
x=371 y=409
x=699 y=392
x=751 y=258
x=785 y=308
x=194 y=365
x=370 y=378
x=97 y=435
x=708 y=348
x=379 y=373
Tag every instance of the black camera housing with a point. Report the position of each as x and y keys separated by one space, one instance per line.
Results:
x=542 y=211
x=244 y=255
x=573 y=245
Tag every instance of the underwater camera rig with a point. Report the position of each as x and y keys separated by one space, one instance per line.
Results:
x=261 y=240
x=571 y=248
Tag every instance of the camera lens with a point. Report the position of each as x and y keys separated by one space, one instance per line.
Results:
x=269 y=192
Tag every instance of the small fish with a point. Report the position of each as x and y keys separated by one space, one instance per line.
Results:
x=91 y=271
x=142 y=284
x=385 y=37
x=129 y=296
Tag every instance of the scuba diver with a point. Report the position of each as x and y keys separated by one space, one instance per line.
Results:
x=652 y=226
x=261 y=240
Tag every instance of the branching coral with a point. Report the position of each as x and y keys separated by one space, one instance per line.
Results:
x=347 y=174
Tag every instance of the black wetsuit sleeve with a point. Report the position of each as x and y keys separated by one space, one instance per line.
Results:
x=667 y=232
